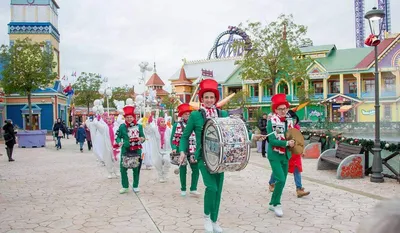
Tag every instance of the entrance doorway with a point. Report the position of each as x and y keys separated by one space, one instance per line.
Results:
x=35 y=122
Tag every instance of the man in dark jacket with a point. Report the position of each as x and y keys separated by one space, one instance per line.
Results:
x=262 y=125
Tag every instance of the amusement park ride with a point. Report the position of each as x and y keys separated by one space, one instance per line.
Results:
x=359 y=19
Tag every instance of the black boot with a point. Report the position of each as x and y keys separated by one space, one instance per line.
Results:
x=9 y=154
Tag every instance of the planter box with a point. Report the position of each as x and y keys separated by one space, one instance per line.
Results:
x=31 y=138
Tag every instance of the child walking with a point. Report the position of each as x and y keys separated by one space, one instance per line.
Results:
x=81 y=136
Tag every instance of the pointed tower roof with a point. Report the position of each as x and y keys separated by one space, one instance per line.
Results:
x=182 y=80
x=155 y=80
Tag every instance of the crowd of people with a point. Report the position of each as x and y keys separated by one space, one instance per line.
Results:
x=152 y=141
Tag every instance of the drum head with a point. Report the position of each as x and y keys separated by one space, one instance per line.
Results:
x=211 y=146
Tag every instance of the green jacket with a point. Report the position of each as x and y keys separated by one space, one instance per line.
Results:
x=272 y=155
x=195 y=123
x=122 y=134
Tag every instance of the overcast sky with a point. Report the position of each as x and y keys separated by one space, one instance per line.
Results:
x=113 y=37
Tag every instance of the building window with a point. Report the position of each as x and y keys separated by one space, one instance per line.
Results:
x=267 y=90
x=334 y=87
x=353 y=87
x=387 y=112
x=234 y=89
x=318 y=88
x=255 y=88
x=389 y=84
x=253 y=114
x=369 y=85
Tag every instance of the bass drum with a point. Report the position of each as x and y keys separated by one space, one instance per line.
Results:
x=225 y=143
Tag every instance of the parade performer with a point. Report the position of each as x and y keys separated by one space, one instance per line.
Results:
x=107 y=128
x=184 y=111
x=278 y=152
x=146 y=147
x=295 y=164
x=129 y=138
x=208 y=96
x=158 y=136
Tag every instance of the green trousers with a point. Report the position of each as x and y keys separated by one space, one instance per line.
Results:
x=279 y=171
x=212 y=195
x=195 y=176
x=124 y=175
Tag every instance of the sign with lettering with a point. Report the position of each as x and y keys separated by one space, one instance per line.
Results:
x=368 y=112
x=315 y=113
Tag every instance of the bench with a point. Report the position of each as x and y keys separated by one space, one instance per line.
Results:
x=348 y=161
x=313 y=148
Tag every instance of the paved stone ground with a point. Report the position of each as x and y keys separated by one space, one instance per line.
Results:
x=67 y=191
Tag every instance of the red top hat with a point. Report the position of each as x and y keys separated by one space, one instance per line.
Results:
x=278 y=99
x=184 y=108
x=208 y=85
x=129 y=111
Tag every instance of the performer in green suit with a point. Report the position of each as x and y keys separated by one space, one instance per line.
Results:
x=130 y=137
x=278 y=152
x=184 y=111
x=208 y=96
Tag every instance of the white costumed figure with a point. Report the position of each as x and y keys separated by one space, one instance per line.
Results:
x=146 y=147
x=107 y=128
x=97 y=139
x=158 y=136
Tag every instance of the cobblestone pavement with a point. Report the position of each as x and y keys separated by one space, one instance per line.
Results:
x=46 y=190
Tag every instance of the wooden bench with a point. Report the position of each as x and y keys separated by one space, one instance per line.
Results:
x=348 y=161
x=313 y=148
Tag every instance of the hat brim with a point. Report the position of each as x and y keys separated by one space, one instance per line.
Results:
x=216 y=93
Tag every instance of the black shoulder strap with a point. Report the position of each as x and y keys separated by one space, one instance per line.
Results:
x=219 y=112
x=182 y=125
x=203 y=114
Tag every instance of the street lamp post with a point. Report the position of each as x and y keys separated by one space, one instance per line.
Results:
x=375 y=21
x=107 y=93
x=144 y=66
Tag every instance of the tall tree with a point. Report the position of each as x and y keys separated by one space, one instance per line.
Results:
x=171 y=103
x=121 y=93
x=27 y=66
x=238 y=101
x=86 y=89
x=275 y=53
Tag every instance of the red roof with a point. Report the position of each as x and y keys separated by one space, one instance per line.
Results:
x=182 y=78
x=155 y=80
x=161 y=92
x=370 y=58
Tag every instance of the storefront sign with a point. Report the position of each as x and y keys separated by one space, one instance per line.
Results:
x=315 y=113
x=368 y=112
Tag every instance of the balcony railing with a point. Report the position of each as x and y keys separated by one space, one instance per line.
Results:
x=266 y=99
x=318 y=96
x=367 y=94
x=252 y=99
x=388 y=94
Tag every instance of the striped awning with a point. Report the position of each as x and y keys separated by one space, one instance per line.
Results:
x=345 y=108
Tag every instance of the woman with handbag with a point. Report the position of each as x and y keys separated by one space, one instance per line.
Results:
x=129 y=138
x=9 y=138
x=58 y=130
